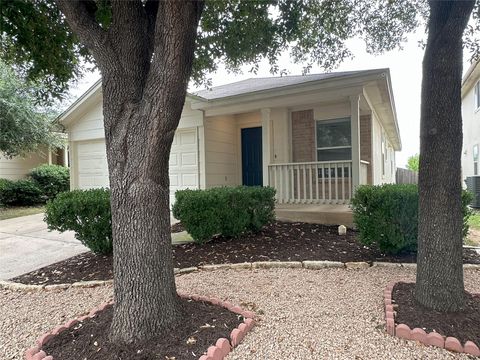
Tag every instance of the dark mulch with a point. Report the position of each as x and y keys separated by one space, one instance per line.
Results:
x=278 y=241
x=202 y=325
x=464 y=325
x=178 y=227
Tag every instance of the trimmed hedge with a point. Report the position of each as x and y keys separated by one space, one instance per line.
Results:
x=229 y=211
x=87 y=213
x=387 y=215
x=51 y=179
x=20 y=193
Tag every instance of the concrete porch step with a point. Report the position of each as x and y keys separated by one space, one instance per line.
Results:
x=316 y=214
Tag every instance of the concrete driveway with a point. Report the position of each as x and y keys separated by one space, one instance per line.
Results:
x=26 y=245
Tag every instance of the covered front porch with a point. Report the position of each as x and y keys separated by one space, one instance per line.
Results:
x=329 y=153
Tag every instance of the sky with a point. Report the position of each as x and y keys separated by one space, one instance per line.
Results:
x=406 y=71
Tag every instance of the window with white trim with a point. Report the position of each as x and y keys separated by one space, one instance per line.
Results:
x=475 y=159
x=334 y=140
x=476 y=94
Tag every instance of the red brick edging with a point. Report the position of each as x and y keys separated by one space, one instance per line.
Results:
x=218 y=351
x=403 y=331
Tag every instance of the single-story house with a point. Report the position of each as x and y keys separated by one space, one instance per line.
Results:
x=471 y=118
x=18 y=167
x=314 y=137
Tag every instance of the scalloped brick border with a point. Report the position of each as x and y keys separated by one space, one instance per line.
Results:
x=218 y=351
x=403 y=331
x=307 y=264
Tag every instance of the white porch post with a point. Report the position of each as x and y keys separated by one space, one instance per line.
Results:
x=49 y=156
x=266 y=144
x=355 y=131
x=65 y=155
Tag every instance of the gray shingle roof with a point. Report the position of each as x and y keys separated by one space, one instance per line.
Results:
x=265 y=83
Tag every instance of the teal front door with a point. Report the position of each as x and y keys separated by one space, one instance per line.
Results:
x=252 y=165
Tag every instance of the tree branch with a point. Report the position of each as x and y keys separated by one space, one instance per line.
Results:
x=79 y=16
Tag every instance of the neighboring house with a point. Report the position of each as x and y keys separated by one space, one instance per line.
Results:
x=471 y=121
x=19 y=167
x=314 y=137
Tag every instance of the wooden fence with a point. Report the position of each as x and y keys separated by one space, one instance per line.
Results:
x=405 y=176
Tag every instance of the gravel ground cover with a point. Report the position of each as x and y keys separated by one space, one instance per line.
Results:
x=304 y=314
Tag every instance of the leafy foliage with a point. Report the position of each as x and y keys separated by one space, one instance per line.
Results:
x=51 y=179
x=413 y=162
x=37 y=41
x=24 y=127
x=20 y=193
x=229 y=211
x=387 y=216
x=87 y=213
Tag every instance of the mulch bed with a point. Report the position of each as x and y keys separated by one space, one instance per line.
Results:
x=202 y=325
x=464 y=325
x=279 y=241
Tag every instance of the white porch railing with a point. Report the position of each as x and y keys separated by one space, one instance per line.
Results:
x=323 y=182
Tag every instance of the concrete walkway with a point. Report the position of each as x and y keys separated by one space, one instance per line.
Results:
x=26 y=245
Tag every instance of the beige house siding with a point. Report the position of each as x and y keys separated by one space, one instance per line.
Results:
x=18 y=167
x=471 y=132
x=220 y=151
x=303 y=136
x=378 y=176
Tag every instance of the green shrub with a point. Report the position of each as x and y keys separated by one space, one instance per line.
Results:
x=51 y=179
x=87 y=213
x=228 y=211
x=20 y=193
x=387 y=215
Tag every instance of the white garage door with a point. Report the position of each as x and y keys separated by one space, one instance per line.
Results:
x=183 y=162
x=92 y=165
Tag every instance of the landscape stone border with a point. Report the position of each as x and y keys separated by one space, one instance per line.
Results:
x=307 y=264
x=403 y=331
x=218 y=351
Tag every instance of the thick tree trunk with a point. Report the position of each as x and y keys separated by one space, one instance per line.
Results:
x=145 y=57
x=439 y=283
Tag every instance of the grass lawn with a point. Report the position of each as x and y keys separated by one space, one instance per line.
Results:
x=474 y=220
x=474 y=235
x=17 y=211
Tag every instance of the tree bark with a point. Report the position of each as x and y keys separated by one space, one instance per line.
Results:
x=144 y=82
x=439 y=282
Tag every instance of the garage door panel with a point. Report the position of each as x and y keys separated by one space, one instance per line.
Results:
x=189 y=159
x=190 y=180
x=92 y=165
x=173 y=161
x=188 y=138
x=183 y=163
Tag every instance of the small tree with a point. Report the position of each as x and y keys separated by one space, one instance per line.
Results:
x=24 y=126
x=413 y=162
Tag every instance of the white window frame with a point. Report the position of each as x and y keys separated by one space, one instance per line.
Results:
x=330 y=121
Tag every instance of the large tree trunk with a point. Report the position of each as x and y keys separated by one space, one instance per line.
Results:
x=439 y=283
x=145 y=59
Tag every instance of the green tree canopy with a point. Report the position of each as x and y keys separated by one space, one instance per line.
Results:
x=24 y=126
x=37 y=41
x=413 y=162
